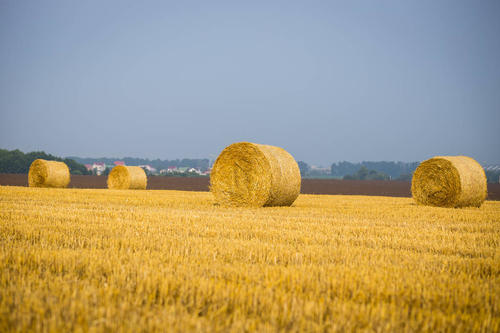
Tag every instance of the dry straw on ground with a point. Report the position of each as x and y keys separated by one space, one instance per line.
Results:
x=250 y=174
x=127 y=177
x=44 y=173
x=449 y=181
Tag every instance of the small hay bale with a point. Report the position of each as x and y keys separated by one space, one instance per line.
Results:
x=449 y=181
x=250 y=174
x=127 y=177
x=45 y=173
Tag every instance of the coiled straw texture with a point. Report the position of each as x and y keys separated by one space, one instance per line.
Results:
x=250 y=174
x=449 y=181
x=45 y=173
x=127 y=177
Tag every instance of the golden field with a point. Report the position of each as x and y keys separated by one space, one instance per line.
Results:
x=123 y=260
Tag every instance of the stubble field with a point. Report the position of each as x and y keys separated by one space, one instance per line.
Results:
x=103 y=260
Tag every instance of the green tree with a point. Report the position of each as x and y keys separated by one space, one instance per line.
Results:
x=304 y=168
x=15 y=161
x=365 y=174
x=493 y=176
x=106 y=171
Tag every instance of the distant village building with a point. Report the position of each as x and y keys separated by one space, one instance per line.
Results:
x=170 y=169
x=492 y=168
x=148 y=168
x=320 y=169
x=197 y=171
x=207 y=172
x=176 y=170
x=98 y=168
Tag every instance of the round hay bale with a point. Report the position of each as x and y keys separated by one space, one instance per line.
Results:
x=449 y=181
x=127 y=177
x=250 y=174
x=45 y=173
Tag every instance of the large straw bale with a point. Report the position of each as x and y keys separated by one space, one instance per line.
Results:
x=45 y=173
x=250 y=174
x=127 y=177
x=449 y=181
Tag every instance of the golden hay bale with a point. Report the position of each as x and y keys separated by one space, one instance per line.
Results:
x=44 y=173
x=449 y=181
x=127 y=177
x=250 y=174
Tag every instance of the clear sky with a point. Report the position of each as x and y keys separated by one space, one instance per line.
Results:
x=326 y=80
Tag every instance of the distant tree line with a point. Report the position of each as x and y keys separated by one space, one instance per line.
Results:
x=493 y=176
x=374 y=171
x=304 y=168
x=365 y=174
x=364 y=170
x=395 y=170
x=202 y=164
x=15 y=161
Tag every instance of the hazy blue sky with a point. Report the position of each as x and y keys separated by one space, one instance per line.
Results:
x=326 y=80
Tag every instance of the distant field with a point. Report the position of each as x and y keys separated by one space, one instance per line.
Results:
x=75 y=259
x=309 y=186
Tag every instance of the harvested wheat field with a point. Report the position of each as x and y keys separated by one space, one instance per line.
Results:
x=125 y=260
